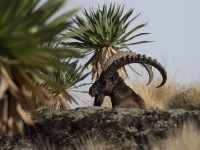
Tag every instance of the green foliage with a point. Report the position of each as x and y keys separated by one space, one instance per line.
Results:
x=24 y=26
x=107 y=27
x=68 y=80
x=107 y=33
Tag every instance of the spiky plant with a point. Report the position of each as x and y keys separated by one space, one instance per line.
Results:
x=107 y=34
x=68 y=80
x=24 y=26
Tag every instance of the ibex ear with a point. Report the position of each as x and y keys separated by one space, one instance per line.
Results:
x=115 y=79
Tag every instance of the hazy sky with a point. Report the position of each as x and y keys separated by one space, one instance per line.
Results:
x=173 y=24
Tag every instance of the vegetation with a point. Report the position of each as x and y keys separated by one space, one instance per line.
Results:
x=157 y=97
x=34 y=77
x=24 y=27
x=106 y=35
x=173 y=95
x=187 y=138
x=67 y=79
x=187 y=98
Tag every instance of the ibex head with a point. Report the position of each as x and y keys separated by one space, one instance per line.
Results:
x=109 y=78
x=103 y=87
x=106 y=83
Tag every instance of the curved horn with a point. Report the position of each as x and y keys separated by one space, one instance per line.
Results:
x=131 y=57
x=124 y=54
x=150 y=72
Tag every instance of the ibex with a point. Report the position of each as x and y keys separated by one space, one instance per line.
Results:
x=111 y=84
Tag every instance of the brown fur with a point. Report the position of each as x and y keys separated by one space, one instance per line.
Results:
x=121 y=95
x=110 y=84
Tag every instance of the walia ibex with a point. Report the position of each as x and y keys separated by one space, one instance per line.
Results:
x=111 y=84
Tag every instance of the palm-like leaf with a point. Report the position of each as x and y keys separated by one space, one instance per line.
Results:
x=68 y=80
x=106 y=34
x=23 y=27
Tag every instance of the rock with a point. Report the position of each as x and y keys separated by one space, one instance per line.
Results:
x=117 y=128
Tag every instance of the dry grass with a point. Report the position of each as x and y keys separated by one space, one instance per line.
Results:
x=187 y=139
x=188 y=98
x=172 y=95
x=156 y=98
x=89 y=143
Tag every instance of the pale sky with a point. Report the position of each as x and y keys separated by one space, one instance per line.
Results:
x=173 y=24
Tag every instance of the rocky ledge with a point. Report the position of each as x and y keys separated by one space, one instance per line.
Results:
x=118 y=128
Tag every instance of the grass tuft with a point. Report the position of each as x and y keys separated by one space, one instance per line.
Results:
x=172 y=95
x=157 y=98
x=188 y=98
x=187 y=139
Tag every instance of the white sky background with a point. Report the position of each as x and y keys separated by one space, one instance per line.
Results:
x=173 y=24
